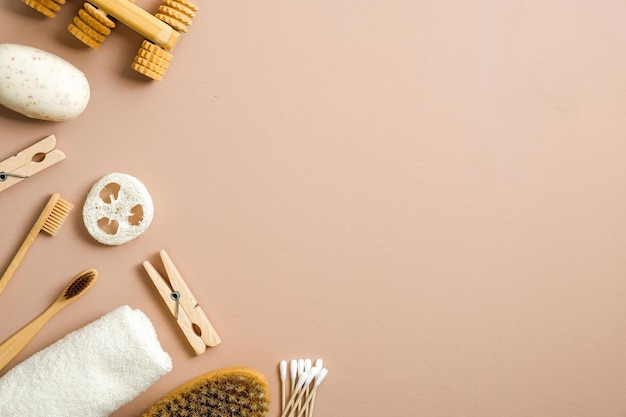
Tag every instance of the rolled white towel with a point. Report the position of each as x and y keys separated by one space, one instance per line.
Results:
x=91 y=372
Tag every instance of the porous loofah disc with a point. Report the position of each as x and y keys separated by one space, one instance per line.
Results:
x=228 y=392
x=118 y=209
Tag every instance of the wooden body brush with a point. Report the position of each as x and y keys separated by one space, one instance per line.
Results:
x=229 y=392
x=72 y=292
x=50 y=221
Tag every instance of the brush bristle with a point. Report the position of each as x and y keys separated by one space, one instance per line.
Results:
x=57 y=216
x=229 y=392
x=79 y=284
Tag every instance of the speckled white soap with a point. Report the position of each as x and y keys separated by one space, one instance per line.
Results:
x=41 y=85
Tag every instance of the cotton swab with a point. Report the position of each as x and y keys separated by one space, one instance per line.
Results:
x=313 y=373
x=305 y=364
x=319 y=364
x=308 y=369
x=300 y=375
x=300 y=367
x=305 y=379
x=283 y=376
x=293 y=369
x=311 y=398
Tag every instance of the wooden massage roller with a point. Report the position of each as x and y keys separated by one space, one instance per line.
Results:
x=96 y=19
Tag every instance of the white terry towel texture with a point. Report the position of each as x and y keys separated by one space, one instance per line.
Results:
x=91 y=372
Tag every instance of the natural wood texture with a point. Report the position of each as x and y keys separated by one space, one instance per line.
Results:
x=91 y=26
x=50 y=220
x=303 y=397
x=177 y=13
x=14 y=345
x=140 y=21
x=94 y=22
x=189 y=315
x=31 y=160
x=152 y=61
x=46 y=8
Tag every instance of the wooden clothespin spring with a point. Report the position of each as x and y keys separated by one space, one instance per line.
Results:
x=29 y=162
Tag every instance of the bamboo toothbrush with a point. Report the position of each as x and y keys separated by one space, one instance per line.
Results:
x=50 y=221
x=73 y=291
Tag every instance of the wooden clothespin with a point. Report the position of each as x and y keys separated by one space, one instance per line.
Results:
x=183 y=306
x=30 y=161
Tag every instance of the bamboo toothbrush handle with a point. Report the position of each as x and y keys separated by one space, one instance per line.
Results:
x=14 y=345
x=19 y=256
x=28 y=241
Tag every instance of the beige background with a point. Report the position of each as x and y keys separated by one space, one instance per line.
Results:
x=429 y=195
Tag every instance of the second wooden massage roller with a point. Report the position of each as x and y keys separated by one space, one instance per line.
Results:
x=162 y=30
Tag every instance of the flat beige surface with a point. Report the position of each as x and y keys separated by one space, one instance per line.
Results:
x=429 y=195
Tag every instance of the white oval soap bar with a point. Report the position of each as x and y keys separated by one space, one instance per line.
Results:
x=41 y=85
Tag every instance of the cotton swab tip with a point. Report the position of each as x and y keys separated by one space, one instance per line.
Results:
x=309 y=377
x=293 y=368
x=320 y=377
x=301 y=380
x=283 y=370
x=319 y=363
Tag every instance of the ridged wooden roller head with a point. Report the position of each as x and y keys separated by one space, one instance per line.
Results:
x=91 y=26
x=47 y=8
x=152 y=61
x=177 y=14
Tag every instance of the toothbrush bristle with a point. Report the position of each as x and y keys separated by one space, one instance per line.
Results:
x=80 y=284
x=57 y=217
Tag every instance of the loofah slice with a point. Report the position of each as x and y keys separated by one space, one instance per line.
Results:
x=118 y=209
x=228 y=392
